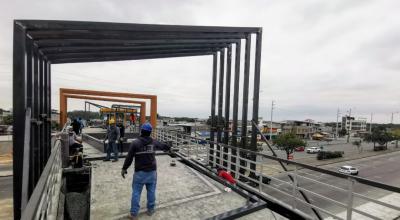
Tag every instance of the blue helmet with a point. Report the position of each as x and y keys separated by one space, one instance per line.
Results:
x=147 y=127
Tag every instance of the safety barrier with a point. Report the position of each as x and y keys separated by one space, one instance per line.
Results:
x=248 y=167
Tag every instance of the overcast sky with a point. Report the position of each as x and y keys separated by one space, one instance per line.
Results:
x=317 y=56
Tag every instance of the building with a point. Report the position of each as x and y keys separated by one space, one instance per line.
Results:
x=303 y=129
x=354 y=125
x=3 y=114
x=271 y=132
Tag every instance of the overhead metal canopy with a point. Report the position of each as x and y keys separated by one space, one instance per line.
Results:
x=40 y=43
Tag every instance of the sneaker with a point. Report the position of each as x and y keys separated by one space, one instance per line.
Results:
x=106 y=159
x=133 y=217
x=115 y=160
x=150 y=212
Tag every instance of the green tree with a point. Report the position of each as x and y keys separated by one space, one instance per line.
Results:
x=379 y=135
x=222 y=119
x=8 y=120
x=288 y=142
x=396 y=135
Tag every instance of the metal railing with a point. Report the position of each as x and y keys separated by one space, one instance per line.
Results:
x=43 y=203
x=249 y=169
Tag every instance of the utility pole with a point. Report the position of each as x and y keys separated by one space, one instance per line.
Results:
x=337 y=123
x=348 y=132
x=370 y=124
x=391 y=120
x=272 y=111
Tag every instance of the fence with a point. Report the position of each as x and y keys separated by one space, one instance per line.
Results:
x=248 y=166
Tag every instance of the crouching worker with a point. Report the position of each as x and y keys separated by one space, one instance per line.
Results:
x=75 y=143
x=143 y=149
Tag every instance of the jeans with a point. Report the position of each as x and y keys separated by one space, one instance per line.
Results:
x=112 y=147
x=141 y=178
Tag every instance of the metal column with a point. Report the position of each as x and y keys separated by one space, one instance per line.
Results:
x=213 y=101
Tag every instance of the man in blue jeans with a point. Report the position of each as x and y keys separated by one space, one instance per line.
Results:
x=143 y=149
x=113 y=136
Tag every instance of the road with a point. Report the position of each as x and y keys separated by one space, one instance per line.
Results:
x=382 y=168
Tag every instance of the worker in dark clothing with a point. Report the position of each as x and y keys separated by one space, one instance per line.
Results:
x=113 y=136
x=143 y=149
x=76 y=126
x=121 y=135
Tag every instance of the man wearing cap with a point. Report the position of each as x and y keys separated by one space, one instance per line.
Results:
x=113 y=136
x=143 y=149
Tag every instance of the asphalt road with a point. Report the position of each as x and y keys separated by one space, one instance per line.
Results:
x=339 y=145
x=382 y=168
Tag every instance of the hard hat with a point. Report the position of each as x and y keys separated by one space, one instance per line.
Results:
x=147 y=127
x=111 y=121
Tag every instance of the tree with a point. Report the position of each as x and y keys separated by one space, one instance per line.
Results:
x=358 y=145
x=222 y=119
x=8 y=120
x=342 y=132
x=379 y=135
x=288 y=142
x=396 y=136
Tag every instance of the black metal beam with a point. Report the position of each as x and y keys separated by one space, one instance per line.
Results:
x=19 y=107
x=119 y=58
x=100 y=26
x=240 y=212
x=213 y=102
x=54 y=57
x=49 y=43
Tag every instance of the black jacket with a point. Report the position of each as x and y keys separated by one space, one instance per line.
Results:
x=143 y=149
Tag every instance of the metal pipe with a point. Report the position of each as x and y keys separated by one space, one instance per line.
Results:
x=213 y=100
x=246 y=91
x=235 y=103
x=220 y=124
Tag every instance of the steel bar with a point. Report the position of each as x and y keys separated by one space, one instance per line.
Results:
x=235 y=101
x=227 y=93
x=220 y=123
x=246 y=91
x=240 y=212
x=85 y=25
x=213 y=102
x=136 y=57
x=56 y=43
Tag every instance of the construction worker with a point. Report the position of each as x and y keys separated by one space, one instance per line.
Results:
x=143 y=149
x=75 y=143
x=113 y=136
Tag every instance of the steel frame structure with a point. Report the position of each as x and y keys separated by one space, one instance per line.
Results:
x=102 y=96
x=39 y=43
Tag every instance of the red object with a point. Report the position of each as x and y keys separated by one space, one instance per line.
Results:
x=227 y=176
x=133 y=118
x=301 y=148
x=290 y=157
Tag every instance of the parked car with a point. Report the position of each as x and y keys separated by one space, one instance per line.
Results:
x=348 y=170
x=312 y=150
x=300 y=148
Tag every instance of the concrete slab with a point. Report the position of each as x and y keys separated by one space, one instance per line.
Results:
x=182 y=193
x=263 y=214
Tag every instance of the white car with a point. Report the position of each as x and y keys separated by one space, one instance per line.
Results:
x=312 y=150
x=348 y=170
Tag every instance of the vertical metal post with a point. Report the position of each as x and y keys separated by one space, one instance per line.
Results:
x=48 y=65
x=220 y=124
x=350 y=199
x=294 y=190
x=235 y=104
x=35 y=128
x=227 y=100
x=20 y=87
x=213 y=101
x=42 y=118
x=246 y=91
x=256 y=93
x=245 y=100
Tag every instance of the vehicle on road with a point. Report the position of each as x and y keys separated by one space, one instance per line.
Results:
x=300 y=148
x=312 y=150
x=348 y=170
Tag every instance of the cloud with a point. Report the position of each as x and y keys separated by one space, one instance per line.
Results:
x=317 y=55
